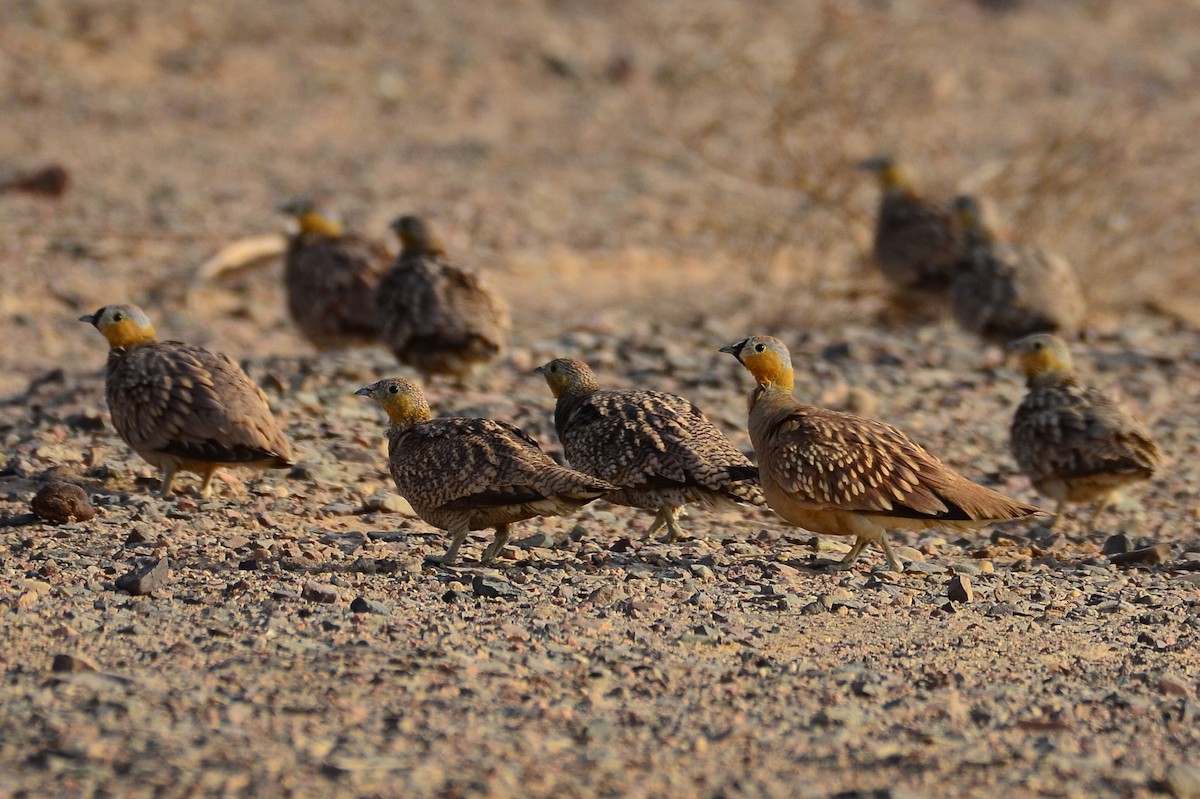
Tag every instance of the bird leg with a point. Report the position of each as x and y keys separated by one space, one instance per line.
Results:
x=458 y=535
x=660 y=518
x=166 y=476
x=671 y=516
x=1100 y=506
x=206 y=486
x=493 y=550
x=845 y=563
x=1058 y=514
x=860 y=543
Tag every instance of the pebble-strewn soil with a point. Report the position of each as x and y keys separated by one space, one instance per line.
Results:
x=645 y=183
x=294 y=642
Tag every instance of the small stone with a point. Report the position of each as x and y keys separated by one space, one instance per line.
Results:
x=1117 y=545
x=70 y=663
x=363 y=605
x=146 y=579
x=60 y=503
x=537 y=540
x=960 y=589
x=324 y=593
x=700 y=571
x=491 y=587
x=606 y=595
x=1159 y=553
x=388 y=502
x=621 y=545
x=911 y=554
x=1183 y=781
x=1172 y=685
x=137 y=536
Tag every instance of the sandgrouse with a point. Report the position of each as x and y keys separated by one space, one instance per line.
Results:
x=1003 y=291
x=181 y=407
x=917 y=242
x=1074 y=442
x=840 y=474
x=462 y=474
x=330 y=277
x=658 y=449
x=434 y=315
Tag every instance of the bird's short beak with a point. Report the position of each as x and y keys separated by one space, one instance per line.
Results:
x=1013 y=345
x=89 y=318
x=732 y=349
x=539 y=370
x=365 y=391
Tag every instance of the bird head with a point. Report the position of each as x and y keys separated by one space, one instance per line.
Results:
x=402 y=399
x=1042 y=353
x=123 y=325
x=312 y=216
x=886 y=169
x=416 y=236
x=765 y=357
x=568 y=376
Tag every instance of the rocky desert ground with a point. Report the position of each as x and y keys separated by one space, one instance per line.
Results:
x=645 y=183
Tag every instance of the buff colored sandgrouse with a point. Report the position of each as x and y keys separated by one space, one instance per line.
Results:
x=917 y=242
x=1075 y=443
x=434 y=315
x=840 y=474
x=1003 y=291
x=659 y=449
x=330 y=277
x=462 y=474
x=181 y=407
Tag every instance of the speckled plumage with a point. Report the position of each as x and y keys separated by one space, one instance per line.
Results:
x=461 y=474
x=330 y=278
x=659 y=449
x=1075 y=443
x=917 y=243
x=182 y=407
x=434 y=315
x=1003 y=291
x=840 y=474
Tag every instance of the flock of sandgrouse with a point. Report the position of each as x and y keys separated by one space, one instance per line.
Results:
x=184 y=408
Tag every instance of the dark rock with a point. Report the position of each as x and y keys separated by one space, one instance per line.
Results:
x=364 y=605
x=491 y=587
x=145 y=579
x=1147 y=556
x=960 y=589
x=61 y=502
x=137 y=536
x=70 y=663
x=536 y=540
x=320 y=592
x=1117 y=545
x=621 y=545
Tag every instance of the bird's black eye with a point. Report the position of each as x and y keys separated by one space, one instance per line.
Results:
x=760 y=347
x=118 y=316
x=553 y=368
x=393 y=389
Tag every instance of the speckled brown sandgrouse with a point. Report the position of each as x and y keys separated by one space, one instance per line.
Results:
x=463 y=474
x=917 y=242
x=434 y=315
x=659 y=449
x=182 y=407
x=1075 y=443
x=1003 y=291
x=330 y=277
x=840 y=474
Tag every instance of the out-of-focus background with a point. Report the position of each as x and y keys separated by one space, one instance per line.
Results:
x=602 y=159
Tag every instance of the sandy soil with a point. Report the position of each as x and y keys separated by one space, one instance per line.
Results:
x=646 y=185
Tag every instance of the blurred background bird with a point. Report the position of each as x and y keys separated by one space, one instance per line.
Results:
x=330 y=277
